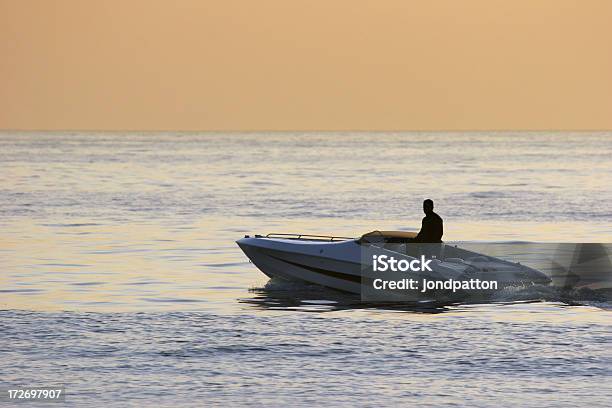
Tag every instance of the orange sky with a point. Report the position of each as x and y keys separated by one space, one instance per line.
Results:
x=305 y=64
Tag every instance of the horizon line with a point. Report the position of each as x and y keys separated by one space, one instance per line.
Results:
x=92 y=130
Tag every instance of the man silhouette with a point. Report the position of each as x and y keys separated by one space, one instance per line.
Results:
x=431 y=226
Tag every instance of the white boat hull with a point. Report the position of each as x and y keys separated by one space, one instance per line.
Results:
x=297 y=261
x=343 y=265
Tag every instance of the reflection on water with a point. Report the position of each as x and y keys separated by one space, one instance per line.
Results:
x=277 y=294
x=295 y=296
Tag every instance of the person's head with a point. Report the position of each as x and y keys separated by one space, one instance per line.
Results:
x=428 y=206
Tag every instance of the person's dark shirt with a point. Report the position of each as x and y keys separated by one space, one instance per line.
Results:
x=431 y=229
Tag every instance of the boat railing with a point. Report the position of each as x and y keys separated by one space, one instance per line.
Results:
x=307 y=237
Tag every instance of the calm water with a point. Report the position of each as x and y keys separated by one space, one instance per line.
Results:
x=119 y=276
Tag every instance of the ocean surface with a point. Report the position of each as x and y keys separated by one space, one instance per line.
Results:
x=120 y=278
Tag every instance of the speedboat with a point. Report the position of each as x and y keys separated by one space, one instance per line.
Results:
x=345 y=263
